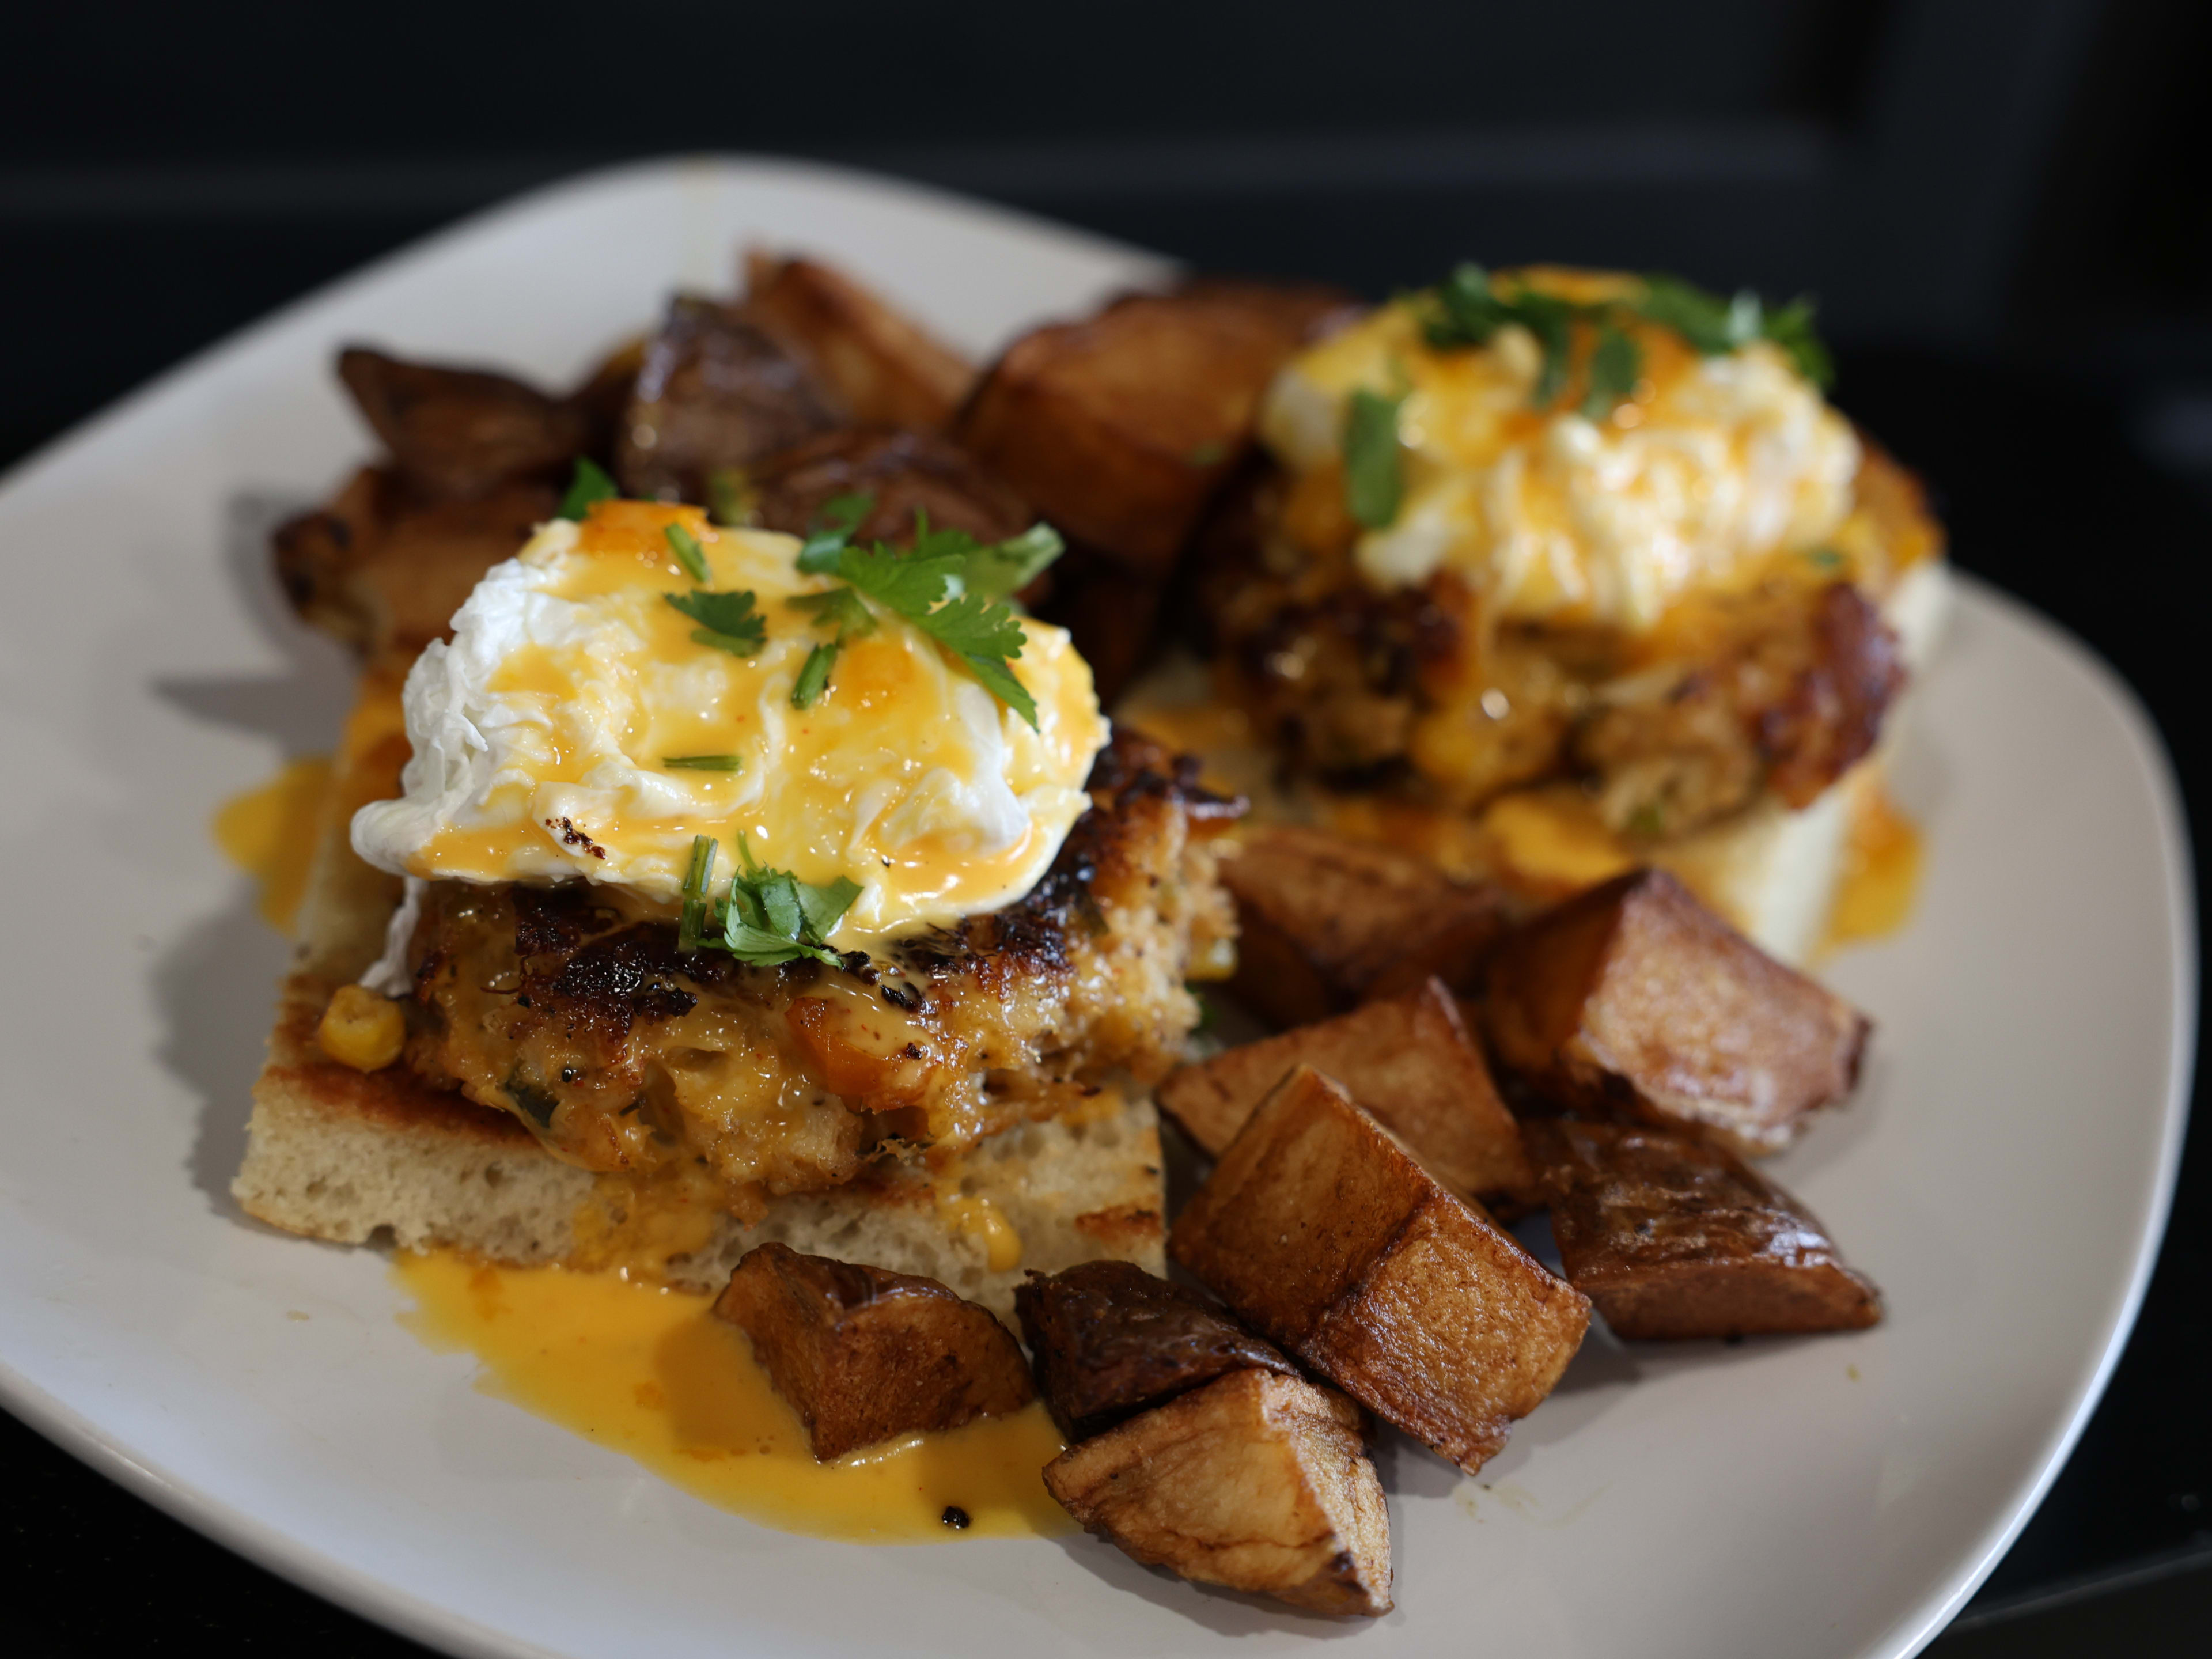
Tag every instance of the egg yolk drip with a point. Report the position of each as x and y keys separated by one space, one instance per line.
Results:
x=550 y=737
x=1698 y=477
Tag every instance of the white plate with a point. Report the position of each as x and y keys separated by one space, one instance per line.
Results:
x=2004 y=1174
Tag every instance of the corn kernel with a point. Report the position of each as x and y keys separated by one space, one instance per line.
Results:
x=1216 y=961
x=361 y=1029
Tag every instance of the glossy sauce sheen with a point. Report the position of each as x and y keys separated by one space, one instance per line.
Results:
x=905 y=776
x=653 y=1375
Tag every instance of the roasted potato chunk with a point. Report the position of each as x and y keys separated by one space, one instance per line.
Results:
x=1111 y=1340
x=1111 y=612
x=1406 y=1059
x=881 y=366
x=1120 y=428
x=1324 y=923
x=863 y=1354
x=1633 y=1000
x=904 y=472
x=1673 y=1237
x=715 y=393
x=458 y=434
x=1324 y=1234
x=385 y=570
x=1258 y=1481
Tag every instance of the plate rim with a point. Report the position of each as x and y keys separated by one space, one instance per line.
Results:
x=428 y=1621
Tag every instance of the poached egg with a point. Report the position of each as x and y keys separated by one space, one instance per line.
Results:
x=543 y=735
x=1709 y=467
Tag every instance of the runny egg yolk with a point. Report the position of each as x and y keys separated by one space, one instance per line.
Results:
x=1607 y=516
x=544 y=736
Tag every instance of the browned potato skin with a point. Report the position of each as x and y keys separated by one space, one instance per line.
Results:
x=882 y=367
x=1111 y=1340
x=1326 y=1235
x=460 y=433
x=1110 y=612
x=904 y=472
x=1406 y=1059
x=863 y=1354
x=1258 y=1481
x=1120 y=428
x=1634 y=1001
x=384 y=569
x=716 y=391
x=1673 y=1238
x=1325 y=923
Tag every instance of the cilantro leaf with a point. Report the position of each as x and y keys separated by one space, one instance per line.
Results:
x=1615 y=366
x=590 y=484
x=839 y=608
x=995 y=569
x=840 y=515
x=1463 y=311
x=1791 y=328
x=688 y=552
x=824 y=906
x=1374 y=473
x=729 y=623
x=909 y=583
x=767 y=917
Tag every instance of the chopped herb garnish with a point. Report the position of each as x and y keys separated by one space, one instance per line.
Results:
x=765 y=916
x=590 y=484
x=1824 y=558
x=1211 y=454
x=728 y=621
x=689 y=554
x=840 y=515
x=730 y=497
x=1373 y=475
x=947 y=586
x=995 y=569
x=1468 y=307
x=703 y=763
x=814 y=675
x=1616 y=364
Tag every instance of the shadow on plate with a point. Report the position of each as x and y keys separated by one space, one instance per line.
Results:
x=216 y=986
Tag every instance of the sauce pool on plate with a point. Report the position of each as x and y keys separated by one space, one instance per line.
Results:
x=652 y=1374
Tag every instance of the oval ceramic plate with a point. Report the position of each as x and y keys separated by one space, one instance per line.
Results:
x=2003 y=1174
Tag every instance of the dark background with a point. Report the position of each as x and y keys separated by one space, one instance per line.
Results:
x=2003 y=206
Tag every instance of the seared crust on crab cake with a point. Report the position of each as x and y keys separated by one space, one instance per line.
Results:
x=580 y=1015
x=338 y=1154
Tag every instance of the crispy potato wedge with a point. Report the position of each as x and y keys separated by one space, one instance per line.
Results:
x=1673 y=1237
x=1324 y=923
x=863 y=1354
x=883 y=368
x=385 y=570
x=1111 y=612
x=1257 y=1482
x=715 y=391
x=1121 y=426
x=1406 y=1059
x=1111 y=1339
x=1324 y=1233
x=905 y=472
x=1633 y=1000
x=458 y=434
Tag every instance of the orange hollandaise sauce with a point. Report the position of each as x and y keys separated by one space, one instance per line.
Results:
x=1881 y=873
x=268 y=832
x=652 y=1374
